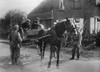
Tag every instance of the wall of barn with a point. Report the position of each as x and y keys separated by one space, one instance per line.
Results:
x=85 y=9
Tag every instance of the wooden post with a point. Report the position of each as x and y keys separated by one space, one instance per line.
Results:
x=52 y=18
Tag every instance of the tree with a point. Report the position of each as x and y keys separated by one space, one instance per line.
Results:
x=14 y=17
x=2 y=27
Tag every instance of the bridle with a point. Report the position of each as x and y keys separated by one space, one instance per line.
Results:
x=67 y=26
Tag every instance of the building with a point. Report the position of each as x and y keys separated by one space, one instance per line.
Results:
x=81 y=10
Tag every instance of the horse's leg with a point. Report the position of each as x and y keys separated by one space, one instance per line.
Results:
x=55 y=52
x=41 y=50
x=37 y=47
x=40 y=46
x=58 y=51
x=51 y=50
x=44 y=48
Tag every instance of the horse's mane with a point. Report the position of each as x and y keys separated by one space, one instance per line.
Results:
x=61 y=21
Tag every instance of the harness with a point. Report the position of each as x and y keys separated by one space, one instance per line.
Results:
x=55 y=35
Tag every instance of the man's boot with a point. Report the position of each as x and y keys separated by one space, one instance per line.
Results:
x=73 y=54
x=78 y=55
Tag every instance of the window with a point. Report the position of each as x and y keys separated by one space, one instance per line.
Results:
x=97 y=2
x=77 y=4
x=76 y=0
x=77 y=20
x=94 y=24
x=98 y=24
x=61 y=5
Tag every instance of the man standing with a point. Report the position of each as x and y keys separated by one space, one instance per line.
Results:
x=15 y=40
x=76 y=44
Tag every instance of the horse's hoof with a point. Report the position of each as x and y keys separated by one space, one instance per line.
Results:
x=39 y=54
x=41 y=59
x=77 y=58
x=48 y=66
x=57 y=67
x=71 y=59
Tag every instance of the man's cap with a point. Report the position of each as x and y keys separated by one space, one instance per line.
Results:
x=16 y=26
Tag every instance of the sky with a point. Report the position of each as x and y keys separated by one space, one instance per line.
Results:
x=24 y=5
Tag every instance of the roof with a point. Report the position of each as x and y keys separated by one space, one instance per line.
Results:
x=42 y=16
x=87 y=8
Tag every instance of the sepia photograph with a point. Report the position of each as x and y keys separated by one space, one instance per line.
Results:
x=49 y=35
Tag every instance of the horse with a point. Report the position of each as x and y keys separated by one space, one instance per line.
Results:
x=39 y=41
x=54 y=38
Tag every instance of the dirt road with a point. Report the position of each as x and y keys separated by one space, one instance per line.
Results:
x=31 y=62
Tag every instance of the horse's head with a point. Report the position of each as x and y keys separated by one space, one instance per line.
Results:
x=64 y=25
x=26 y=24
x=69 y=26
